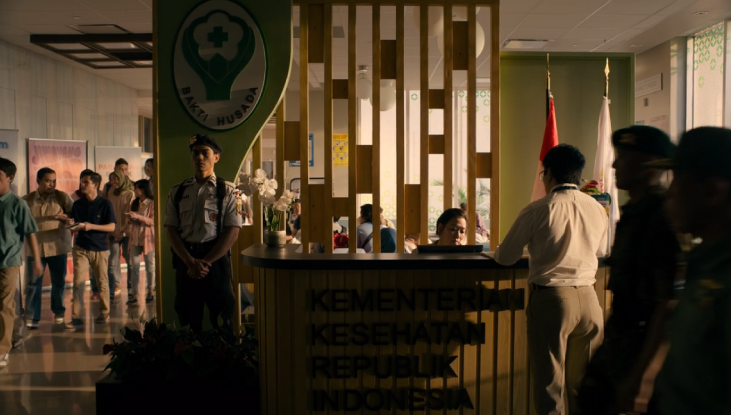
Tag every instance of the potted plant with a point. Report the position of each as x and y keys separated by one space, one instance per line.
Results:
x=274 y=210
x=171 y=370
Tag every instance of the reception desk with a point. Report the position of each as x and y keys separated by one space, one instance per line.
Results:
x=355 y=333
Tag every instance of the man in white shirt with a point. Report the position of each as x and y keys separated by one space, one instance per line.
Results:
x=565 y=232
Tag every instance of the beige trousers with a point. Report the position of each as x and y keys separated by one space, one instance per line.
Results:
x=98 y=261
x=8 y=284
x=565 y=327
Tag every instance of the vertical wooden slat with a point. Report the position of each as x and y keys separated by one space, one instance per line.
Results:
x=300 y=323
x=448 y=110
x=486 y=354
x=256 y=208
x=328 y=206
x=279 y=147
x=284 y=348
x=495 y=123
x=400 y=131
x=269 y=306
x=424 y=120
x=316 y=33
x=157 y=206
x=504 y=349
x=471 y=120
x=376 y=100
x=352 y=124
x=520 y=348
x=304 y=127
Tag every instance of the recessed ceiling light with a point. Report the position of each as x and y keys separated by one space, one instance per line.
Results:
x=635 y=46
x=700 y=13
x=77 y=18
x=575 y=45
x=525 y=43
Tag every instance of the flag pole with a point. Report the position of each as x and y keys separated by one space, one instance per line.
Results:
x=548 y=85
x=606 y=79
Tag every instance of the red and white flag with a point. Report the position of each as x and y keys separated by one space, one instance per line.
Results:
x=550 y=140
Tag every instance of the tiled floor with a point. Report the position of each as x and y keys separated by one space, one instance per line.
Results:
x=55 y=370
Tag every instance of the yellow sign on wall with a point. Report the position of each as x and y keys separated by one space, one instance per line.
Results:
x=340 y=150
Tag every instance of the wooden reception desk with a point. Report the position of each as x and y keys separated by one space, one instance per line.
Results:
x=365 y=333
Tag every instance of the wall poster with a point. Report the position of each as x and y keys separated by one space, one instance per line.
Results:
x=340 y=150
x=66 y=157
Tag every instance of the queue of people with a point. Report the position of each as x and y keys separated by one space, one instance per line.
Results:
x=85 y=224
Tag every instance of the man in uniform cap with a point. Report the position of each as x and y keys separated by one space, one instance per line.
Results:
x=643 y=269
x=202 y=225
x=696 y=374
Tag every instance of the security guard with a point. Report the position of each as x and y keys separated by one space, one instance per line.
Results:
x=202 y=225
x=643 y=268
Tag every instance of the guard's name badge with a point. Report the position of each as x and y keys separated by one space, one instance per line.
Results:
x=220 y=64
x=213 y=217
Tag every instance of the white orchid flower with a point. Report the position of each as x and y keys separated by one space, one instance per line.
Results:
x=271 y=183
x=281 y=205
x=260 y=176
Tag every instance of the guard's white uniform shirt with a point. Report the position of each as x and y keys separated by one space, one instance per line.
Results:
x=565 y=232
x=199 y=210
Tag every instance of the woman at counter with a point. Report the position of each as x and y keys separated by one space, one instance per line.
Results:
x=451 y=228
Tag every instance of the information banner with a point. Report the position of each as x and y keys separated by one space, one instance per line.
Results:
x=66 y=157
x=340 y=150
x=105 y=157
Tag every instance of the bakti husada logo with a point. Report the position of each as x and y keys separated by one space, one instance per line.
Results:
x=220 y=64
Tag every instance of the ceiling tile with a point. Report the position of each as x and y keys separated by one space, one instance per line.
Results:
x=676 y=6
x=612 y=21
x=122 y=17
x=68 y=17
x=650 y=21
x=103 y=5
x=582 y=33
x=20 y=18
x=21 y=5
x=568 y=6
x=635 y=7
x=568 y=45
x=553 y=20
x=538 y=33
x=57 y=5
x=517 y=6
x=510 y=19
x=8 y=30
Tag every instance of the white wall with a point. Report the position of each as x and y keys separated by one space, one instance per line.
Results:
x=45 y=98
x=666 y=108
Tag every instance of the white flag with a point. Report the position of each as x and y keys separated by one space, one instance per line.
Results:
x=603 y=170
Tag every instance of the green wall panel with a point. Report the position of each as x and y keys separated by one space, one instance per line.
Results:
x=175 y=125
x=577 y=84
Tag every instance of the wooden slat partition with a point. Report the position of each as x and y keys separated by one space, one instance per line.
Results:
x=484 y=165
x=437 y=146
x=279 y=147
x=459 y=34
x=320 y=226
x=325 y=206
x=251 y=235
x=376 y=146
x=436 y=99
x=340 y=86
x=304 y=125
x=449 y=110
x=291 y=140
x=316 y=33
x=495 y=122
x=340 y=206
x=400 y=131
x=495 y=373
x=471 y=119
x=388 y=59
x=352 y=122
x=412 y=208
x=424 y=121
x=364 y=158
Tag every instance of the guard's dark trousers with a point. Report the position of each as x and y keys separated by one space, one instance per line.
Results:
x=214 y=290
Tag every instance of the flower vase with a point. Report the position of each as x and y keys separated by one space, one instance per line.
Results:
x=275 y=239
